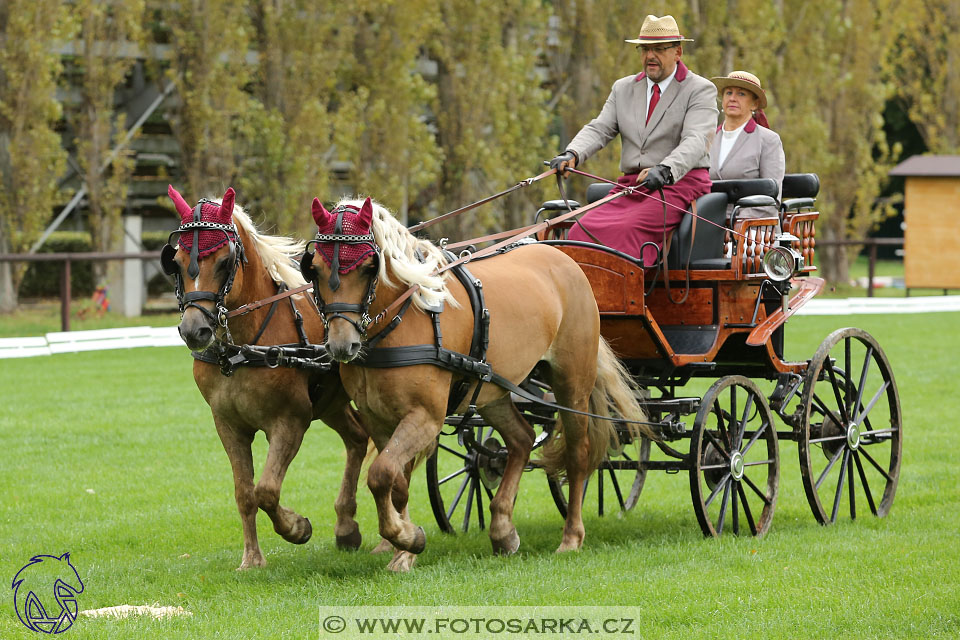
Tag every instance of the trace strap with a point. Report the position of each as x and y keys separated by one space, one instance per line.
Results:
x=514 y=236
x=523 y=183
x=253 y=306
x=663 y=201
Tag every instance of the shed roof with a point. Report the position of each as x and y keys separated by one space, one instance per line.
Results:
x=928 y=166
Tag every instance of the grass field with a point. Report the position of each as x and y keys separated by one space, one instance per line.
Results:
x=113 y=457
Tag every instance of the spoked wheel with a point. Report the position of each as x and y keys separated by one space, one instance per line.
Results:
x=618 y=480
x=458 y=479
x=850 y=445
x=735 y=470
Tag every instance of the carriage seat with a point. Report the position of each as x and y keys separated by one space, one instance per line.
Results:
x=557 y=205
x=799 y=191
x=737 y=189
x=707 y=250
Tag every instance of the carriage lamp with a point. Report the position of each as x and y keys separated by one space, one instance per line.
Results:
x=782 y=261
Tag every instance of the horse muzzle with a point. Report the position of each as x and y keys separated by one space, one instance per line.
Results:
x=196 y=331
x=343 y=350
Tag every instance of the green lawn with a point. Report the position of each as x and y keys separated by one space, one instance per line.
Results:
x=113 y=457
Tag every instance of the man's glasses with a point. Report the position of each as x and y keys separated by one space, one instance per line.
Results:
x=657 y=50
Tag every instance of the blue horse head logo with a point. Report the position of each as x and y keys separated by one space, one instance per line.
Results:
x=45 y=593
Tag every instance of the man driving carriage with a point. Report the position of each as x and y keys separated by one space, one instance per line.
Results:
x=666 y=117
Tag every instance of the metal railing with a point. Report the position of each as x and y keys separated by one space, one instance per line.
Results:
x=872 y=244
x=67 y=259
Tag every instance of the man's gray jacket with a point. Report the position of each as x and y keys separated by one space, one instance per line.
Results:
x=679 y=134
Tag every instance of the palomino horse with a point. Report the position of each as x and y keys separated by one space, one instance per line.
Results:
x=542 y=311
x=222 y=262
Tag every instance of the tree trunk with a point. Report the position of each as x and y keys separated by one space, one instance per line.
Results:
x=8 y=294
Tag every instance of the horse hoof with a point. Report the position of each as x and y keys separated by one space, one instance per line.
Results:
x=419 y=541
x=402 y=562
x=351 y=541
x=508 y=546
x=308 y=531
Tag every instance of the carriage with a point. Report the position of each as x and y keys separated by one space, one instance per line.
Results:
x=713 y=308
x=716 y=311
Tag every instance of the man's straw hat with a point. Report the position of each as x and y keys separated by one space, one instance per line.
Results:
x=659 y=30
x=744 y=80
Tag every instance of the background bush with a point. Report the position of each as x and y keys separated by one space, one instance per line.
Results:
x=42 y=279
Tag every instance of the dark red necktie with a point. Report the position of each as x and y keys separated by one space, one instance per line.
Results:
x=654 y=99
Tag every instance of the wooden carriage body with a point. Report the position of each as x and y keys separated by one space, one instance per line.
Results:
x=728 y=320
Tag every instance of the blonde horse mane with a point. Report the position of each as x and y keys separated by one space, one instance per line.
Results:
x=398 y=248
x=278 y=253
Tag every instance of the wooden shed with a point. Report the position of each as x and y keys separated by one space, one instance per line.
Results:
x=931 y=210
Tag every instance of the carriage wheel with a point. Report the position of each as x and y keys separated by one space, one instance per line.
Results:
x=851 y=438
x=619 y=480
x=459 y=481
x=735 y=470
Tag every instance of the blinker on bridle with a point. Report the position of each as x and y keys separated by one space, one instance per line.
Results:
x=337 y=309
x=170 y=267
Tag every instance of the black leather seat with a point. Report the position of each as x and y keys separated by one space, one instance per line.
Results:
x=736 y=189
x=799 y=191
x=707 y=250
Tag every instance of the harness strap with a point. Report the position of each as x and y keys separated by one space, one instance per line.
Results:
x=266 y=321
x=375 y=340
x=253 y=306
x=519 y=185
x=408 y=356
x=230 y=356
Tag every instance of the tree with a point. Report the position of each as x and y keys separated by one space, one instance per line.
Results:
x=108 y=35
x=927 y=70
x=386 y=137
x=31 y=156
x=289 y=136
x=585 y=54
x=832 y=88
x=490 y=116
x=210 y=41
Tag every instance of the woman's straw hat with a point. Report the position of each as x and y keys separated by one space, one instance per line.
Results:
x=659 y=30
x=744 y=80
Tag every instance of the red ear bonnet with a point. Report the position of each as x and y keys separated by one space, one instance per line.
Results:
x=209 y=239
x=320 y=215
x=354 y=222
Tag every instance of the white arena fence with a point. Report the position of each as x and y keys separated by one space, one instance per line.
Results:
x=130 y=337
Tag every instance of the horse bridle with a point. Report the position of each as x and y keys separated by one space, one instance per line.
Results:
x=171 y=268
x=333 y=310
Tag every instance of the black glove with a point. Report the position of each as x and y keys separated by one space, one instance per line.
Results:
x=657 y=177
x=567 y=157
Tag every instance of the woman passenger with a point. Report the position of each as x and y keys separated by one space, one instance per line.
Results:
x=744 y=146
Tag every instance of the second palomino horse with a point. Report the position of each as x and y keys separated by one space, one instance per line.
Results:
x=538 y=309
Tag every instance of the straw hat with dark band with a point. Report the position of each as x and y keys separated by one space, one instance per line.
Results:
x=744 y=80
x=659 y=30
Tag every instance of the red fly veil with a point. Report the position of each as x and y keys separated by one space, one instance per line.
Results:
x=344 y=238
x=208 y=240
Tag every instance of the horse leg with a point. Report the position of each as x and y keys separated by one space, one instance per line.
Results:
x=402 y=560
x=387 y=479
x=237 y=445
x=518 y=438
x=577 y=454
x=572 y=382
x=284 y=443
x=347 y=425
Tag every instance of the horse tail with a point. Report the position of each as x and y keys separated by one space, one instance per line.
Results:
x=613 y=396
